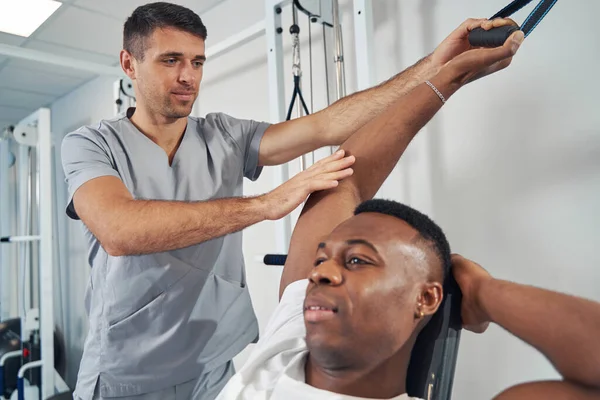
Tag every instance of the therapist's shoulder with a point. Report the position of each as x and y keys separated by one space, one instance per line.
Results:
x=221 y=121
x=101 y=133
x=221 y=126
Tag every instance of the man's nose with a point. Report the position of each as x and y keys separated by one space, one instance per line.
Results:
x=327 y=273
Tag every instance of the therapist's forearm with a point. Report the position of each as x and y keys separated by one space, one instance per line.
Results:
x=351 y=113
x=137 y=227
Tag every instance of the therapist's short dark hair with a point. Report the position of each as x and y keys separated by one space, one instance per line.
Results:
x=429 y=230
x=145 y=19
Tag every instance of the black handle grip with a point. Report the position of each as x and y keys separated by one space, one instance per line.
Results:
x=275 y=259
x=495 y=37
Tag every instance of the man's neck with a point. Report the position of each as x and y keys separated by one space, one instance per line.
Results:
x=382 y=382
x=165 y=132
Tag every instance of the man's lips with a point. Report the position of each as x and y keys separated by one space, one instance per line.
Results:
x=318 y=308
x=184 y=95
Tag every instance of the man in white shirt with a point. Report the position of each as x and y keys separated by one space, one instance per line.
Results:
x=347 y=331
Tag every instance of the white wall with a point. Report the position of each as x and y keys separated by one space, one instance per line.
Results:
x=510 y=167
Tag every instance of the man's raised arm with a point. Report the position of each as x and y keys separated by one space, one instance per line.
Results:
x=377 y=148
x=333 y=125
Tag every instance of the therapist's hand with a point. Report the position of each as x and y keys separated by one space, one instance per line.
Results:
x=324 y=174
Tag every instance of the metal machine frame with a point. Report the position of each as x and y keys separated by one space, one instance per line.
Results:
x=277 y=101
x=34 y=131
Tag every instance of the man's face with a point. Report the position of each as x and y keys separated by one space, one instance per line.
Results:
x=360 y=305
x=168 y=79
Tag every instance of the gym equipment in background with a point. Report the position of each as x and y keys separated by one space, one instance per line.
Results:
x=32 y=350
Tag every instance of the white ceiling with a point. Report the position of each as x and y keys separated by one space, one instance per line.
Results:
x=89 y=30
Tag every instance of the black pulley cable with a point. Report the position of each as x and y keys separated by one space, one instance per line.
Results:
x=495 y=37
x=295 y=31
x=297 y=93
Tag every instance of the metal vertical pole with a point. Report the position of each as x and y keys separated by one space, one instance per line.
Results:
x=339 y=51
x=5 y=217
x=46 y=253
x=273 y=30
x=340 y=73
x=24 y=248
x=363 y=37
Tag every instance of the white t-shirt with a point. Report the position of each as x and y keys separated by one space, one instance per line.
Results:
x=275 y=369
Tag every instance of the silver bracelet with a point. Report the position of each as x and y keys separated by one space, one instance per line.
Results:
x=440 y=95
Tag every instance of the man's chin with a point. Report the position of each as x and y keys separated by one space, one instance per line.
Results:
x=323 y=340
x=328 y=352
x=179 y=112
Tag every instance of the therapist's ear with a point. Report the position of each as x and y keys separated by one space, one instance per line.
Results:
x=128 y=63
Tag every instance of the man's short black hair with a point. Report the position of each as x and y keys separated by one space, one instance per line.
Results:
x=145 y=19
x=428 y=229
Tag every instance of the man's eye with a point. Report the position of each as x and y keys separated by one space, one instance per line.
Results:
x=319 y=261
x=198 y=64
x=170 y=61
x=356 y=261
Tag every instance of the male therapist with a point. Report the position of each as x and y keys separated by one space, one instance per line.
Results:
x=160 y=196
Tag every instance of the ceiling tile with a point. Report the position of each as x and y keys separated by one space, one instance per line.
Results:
x=72 y=53
x=116 y=9
x=121 y=10
x=13 y=40
x=16 y=98
x=49 y=68
x=84 y=30
x=37 y=81
x=13 y=114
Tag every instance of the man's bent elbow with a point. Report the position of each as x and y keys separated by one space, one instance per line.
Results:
x=116 y=242
x=114 y=247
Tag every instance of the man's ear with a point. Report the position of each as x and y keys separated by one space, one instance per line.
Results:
x=429 y=299
x=128 y=63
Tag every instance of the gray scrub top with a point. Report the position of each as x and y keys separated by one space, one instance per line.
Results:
x=162 y=319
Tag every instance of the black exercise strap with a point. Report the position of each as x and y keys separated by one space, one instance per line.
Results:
x=495 y=37
x=297 y=93
x=297 y=72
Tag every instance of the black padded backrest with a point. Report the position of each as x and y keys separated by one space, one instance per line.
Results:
x=433 y=359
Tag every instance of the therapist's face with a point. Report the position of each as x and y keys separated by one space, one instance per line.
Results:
x=168 y=77
x=362 y=302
